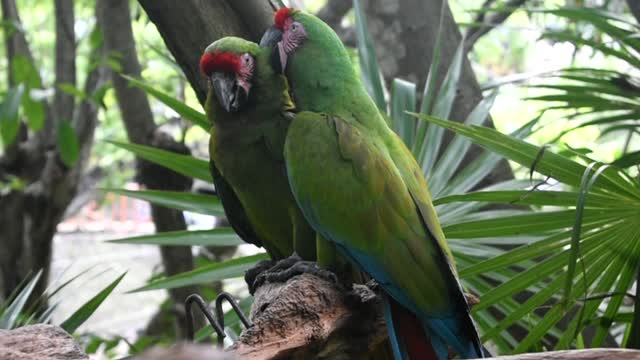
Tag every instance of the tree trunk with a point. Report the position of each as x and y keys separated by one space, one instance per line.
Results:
x=404 y=34
x=188 y=26
x=115 y=19
x=29 y=215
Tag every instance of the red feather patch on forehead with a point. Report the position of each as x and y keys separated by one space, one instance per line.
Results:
x=218 y=62
x=281 y=16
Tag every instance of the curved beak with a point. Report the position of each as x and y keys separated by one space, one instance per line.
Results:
x=272 y=38
x=230 y=96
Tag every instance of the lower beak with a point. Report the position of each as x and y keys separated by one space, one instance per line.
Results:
x=282 y=54
x=229 y=95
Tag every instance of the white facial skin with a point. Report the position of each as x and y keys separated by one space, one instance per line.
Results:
x=293 y=36
x=247 y=64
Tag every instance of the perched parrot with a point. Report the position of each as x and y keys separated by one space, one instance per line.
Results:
x=360 y=187
x=247 y=104
x=250 y=108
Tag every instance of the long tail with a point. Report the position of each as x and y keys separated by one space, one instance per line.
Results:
x=429 y=338
x=408 y=337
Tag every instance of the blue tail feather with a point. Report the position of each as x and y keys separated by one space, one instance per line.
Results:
x=448 y=330
x=398 y=352
x=445 y=330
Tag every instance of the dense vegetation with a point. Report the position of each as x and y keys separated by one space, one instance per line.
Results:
x=549 y=243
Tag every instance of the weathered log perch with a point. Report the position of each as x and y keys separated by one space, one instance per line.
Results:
x=311 y=318
x=308 y=317
x=39 y=342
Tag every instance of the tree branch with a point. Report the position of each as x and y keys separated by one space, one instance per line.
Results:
x=476 y=32
x=15 y=41
x=65 y=70
x=115 y=19
x=634 y=7
x=333 y=12
x=15 y=45
x=189 y=26
x=308 y=317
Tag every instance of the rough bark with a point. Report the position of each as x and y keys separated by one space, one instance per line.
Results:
x=310 y=318
x=30 y=215
x=39 y=342
x=188 y=26
x=115 y=19
x=200 y=352
x=332 y=13
x=65 y=60
x=308 y=315
x=404 y=33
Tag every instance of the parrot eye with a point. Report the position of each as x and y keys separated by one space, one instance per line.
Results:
x=294 y=27
x=246 y=58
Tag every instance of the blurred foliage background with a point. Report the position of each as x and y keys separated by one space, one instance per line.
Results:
x=562 y=75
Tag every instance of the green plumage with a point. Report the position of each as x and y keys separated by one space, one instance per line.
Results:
x=246 y=153
x=359 y=186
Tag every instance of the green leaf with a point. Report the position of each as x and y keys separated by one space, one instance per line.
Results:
x=627 y=160
x=85 y=311
x=215 y=237
x=72 y=90
x=442 y=108
x=206 y=274
x=563 y=169
x=9 y=120
x=454 y=153
x=25 y=72
x=538 y=197
x=533 y=223
x=403 y=98
x=176 y=105
x=370 y=70
x=68 y=145
x=585 y=185
x=186 y=165
x=202 y=204
x=10 y=315
x=99 y=94
x=429 y=93
x=96 y=38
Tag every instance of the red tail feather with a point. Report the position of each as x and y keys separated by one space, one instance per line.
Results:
x=411 y=333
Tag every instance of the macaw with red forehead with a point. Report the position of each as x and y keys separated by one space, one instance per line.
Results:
x=247 y=105
x=360 y=187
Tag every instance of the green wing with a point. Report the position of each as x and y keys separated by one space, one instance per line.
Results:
x=233 y=208
x=353 y=193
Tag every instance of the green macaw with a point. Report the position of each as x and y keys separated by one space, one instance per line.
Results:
x=247 y=105
x=360 y=187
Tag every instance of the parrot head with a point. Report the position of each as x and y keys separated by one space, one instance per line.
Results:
x=288 y=33
x=229 y=65
x=296 y=32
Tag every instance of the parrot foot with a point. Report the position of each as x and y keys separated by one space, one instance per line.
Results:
x=251 y=274
x=287 y=268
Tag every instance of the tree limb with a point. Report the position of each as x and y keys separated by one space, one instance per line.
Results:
x=332 y=13
x=65 y=68
x=15 y=45
x=476 y=32
x=189 y=26
x=634 y=7
x=308 y=317
x=15 y=41
x=115 y=19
